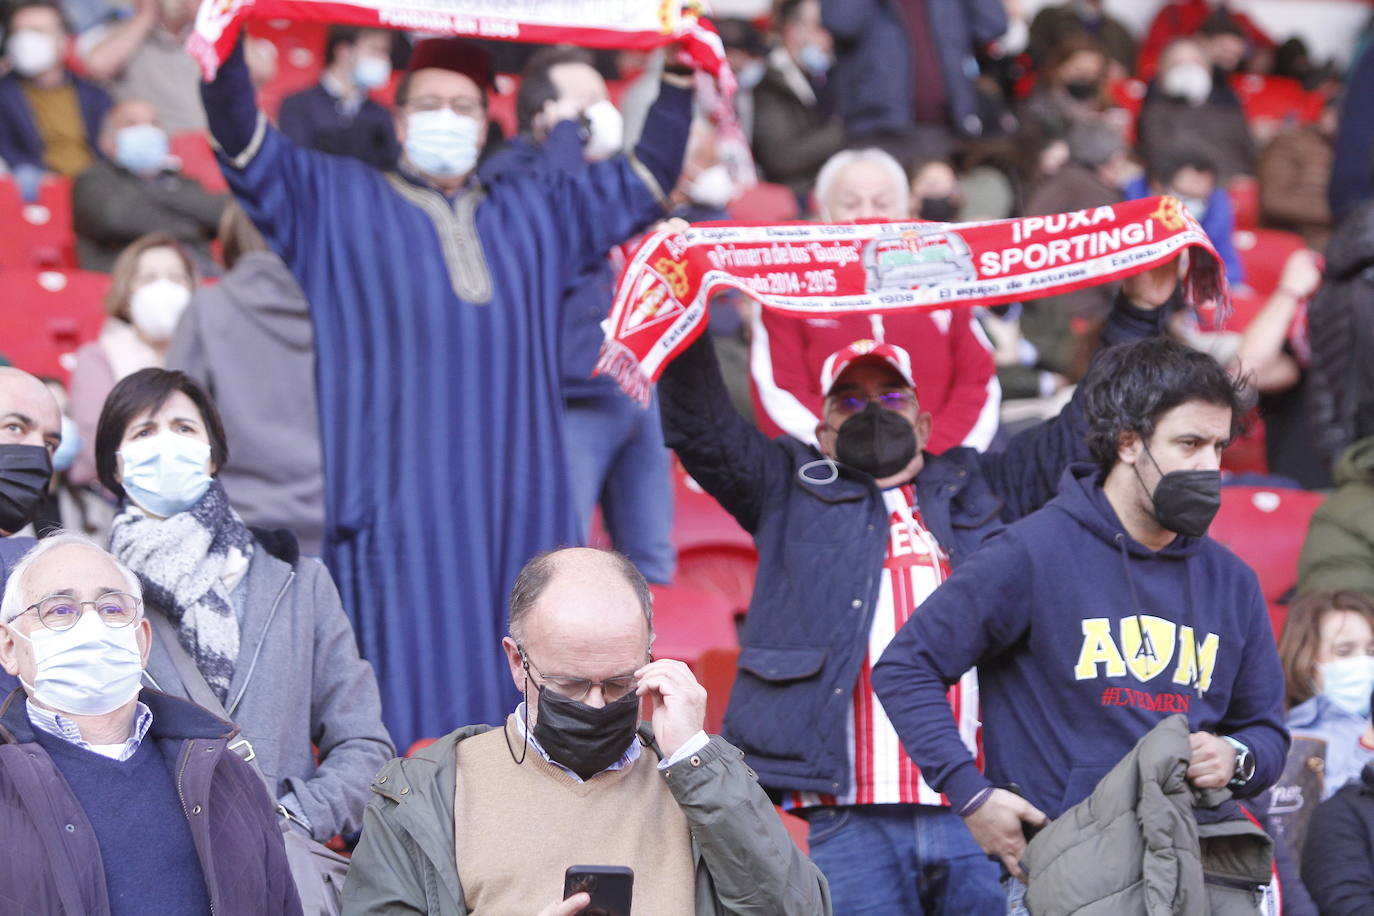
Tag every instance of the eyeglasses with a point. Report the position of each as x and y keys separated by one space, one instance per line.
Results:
x=61 y=612
x=577 y=688
x=848 y=404
x=463 y=105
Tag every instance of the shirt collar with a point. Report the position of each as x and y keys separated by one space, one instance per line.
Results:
x=64 y=727
x=630 y=756
x=347 y=103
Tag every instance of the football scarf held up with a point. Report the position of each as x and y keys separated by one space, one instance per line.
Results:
x=643 y=24
x=816 y=270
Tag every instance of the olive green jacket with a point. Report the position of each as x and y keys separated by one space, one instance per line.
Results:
x=746 y=863
x=1339 y=550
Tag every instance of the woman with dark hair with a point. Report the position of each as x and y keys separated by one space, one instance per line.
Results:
x=1327 y=650
x=240 y=619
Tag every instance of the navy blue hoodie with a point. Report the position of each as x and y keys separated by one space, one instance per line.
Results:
x=1047 y=612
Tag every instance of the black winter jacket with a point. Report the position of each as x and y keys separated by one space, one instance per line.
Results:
x=821 y=550
x=1338 y=862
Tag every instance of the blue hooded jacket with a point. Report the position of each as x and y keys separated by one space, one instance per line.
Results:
x=1047 y=612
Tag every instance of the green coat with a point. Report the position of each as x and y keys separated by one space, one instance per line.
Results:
x=746 y=863
x=1339 y=550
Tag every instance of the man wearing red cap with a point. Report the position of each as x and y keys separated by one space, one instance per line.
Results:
x=436 y=302
x=852 y=538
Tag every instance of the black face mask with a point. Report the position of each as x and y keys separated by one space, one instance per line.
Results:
x=585 y=739
x=1186 y=501
x=24 y=474
x=939 y=209
x=1082 y=89
x=876 y=441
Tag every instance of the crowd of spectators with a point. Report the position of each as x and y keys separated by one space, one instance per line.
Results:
x=385 y=288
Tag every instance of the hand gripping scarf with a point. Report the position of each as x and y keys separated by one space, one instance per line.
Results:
x=809 y=270
x=642 y=24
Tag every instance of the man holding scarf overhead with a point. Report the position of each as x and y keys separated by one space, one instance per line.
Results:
x=851 y=539
x=436 y=299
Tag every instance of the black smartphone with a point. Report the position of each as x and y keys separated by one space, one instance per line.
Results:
x=608 y=885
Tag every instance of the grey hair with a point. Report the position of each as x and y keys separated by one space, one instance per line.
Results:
x=536 y=575
x=14 y=602
x=837 y=163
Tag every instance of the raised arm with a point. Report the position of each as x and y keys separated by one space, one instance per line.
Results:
x=723 y=452
x=789 y=395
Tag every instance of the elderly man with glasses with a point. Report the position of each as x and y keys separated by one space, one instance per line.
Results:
x=852 y=538
x=488 y=820
x=114 y=799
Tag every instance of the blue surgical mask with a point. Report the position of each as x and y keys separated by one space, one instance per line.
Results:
x=371 y=72
x=70 y=446
x=442 y=142
x=814 y=59
x=141 y=148
x=751 y=74
x=1194 y=205
x=88 y=670
x=167 y=473
x=1348 y=682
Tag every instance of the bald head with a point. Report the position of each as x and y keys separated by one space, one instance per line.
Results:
x=580 y=612
x=29 y=414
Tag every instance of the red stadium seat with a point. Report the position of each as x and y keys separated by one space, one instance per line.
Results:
x=1265 y=527
x=765 y=202
x=688 y=621
x=501 y=103
x=37 y=234
x=715 y=670
x=1244 y=193
x=698 y=520
x=1276 y=97
x=300 y=58
x=726 y=569
x=1263 y=252
x=47 y=314
x=797 y=828
x=419 y=745
x=198 y=161
x=1246 y=454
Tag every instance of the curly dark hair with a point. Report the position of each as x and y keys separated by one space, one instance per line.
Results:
x=1132 y=385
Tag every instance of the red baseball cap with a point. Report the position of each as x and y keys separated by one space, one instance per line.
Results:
x=866 y=351
x=456 y=55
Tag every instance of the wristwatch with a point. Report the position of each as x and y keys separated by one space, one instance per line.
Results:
x=1245 y=763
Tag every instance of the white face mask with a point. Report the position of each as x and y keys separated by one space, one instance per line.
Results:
x=371 y=72
x=155 y=308
x=442 y=143
x=606 y=131
x=32 y=52
x=713 y=187
x=89 y=670
x=1348 y=682
x=1191 y=82
x=167 y=473
x=751 y=74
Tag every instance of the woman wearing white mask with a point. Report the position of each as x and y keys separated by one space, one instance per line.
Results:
x=240 y=620
x=1327 y=650
x=152 y=282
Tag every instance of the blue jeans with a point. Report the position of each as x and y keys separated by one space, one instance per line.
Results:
x=903 y=860
x=1016 y=896
x=617 y=457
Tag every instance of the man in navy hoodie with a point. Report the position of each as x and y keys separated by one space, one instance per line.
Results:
x=1099 y=615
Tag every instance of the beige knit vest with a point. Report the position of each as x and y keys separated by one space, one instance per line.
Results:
x=517 y=828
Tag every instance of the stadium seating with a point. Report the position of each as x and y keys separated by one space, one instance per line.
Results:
x=726 y=569
x=715 y=670
x=37 y=234
x=1244 y=193
x=1263 y=252
x=1276 y=97
x=698 y=520
x=1265 y=527
x=47 y=314
x=689 y=621
x=765 y=202
x=198 y=161
x=300 y=58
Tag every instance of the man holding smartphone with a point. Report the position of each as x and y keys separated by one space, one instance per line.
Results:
x=489 y=820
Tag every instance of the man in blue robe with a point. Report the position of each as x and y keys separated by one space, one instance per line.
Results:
x=436 y=303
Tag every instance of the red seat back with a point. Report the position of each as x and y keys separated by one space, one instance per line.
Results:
x=688 y=621
x=715 y=670
x=1263 y=252
x=300 y=58
x=698 y=520
x=198 y=161
x=765 y=202
x=726 y=569
x=1265 y=527
x=37 y=234
x=47 y=314
x=1276 y=97
x=1244 y=193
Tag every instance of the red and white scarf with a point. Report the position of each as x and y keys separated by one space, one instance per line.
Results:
x=643 y=24
x=816 y=270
